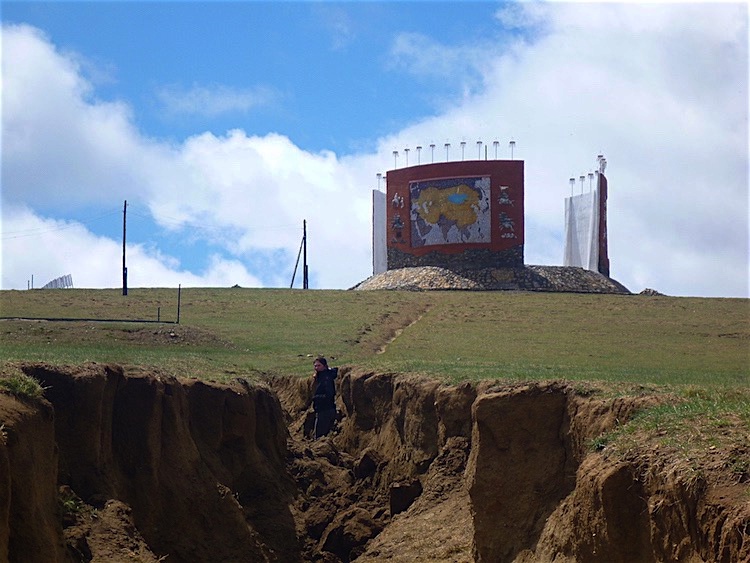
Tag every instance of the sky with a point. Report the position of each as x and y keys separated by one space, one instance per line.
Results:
x=227 y=126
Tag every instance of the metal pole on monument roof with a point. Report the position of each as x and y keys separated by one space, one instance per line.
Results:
x=512 y=145
x=406 y=152
x=463 y=146
x=432 y=149
x=582 y=178
x=395 y=159
x=572 y=185
x=419 y=154
x=591 y=179
x=495 y=144
x=602 y=162
x=447 y=146
x=479 y=150
x=380 y=177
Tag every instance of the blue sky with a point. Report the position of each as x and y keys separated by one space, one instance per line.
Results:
x=226 y=124
x=302 y=69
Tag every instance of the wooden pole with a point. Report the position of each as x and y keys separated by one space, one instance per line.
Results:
x=124 y=267
x=304 y=255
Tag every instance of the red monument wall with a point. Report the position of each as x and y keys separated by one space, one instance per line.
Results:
x=457 y=215
x=603 y=265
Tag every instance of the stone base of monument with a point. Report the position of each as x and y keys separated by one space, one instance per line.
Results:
x=521 y=278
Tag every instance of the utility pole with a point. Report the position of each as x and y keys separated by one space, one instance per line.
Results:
x=303 y=252
x=124 y=267
x=304 y=255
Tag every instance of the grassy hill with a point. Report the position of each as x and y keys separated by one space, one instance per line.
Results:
x=454 y=336
x=695 y=350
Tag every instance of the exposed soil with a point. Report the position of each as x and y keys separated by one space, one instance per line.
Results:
x=119 y=466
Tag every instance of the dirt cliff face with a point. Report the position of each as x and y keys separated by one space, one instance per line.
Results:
x=200 y=467
x=29 y=525
x=115 y=466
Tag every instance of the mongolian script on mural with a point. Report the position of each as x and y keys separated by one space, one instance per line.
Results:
x=450 y=211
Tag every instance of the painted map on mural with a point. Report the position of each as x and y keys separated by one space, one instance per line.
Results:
x=450 y=211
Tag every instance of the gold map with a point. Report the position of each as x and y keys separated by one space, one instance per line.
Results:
x=457 y=205
x=450 y=211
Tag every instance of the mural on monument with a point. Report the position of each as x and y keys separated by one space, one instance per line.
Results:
x=450 y=211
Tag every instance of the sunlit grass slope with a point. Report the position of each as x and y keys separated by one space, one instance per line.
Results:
x=236 y=332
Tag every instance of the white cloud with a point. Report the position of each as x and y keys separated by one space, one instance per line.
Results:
x=60 y=148
x=261 y=189
x=43 y=249
x=660 y=90
x=422 y=56
x=213 y=100
x=249 y=194
x=337 y=22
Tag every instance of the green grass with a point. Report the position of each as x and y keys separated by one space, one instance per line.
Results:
x=17 y=383
x=454 y=336
x=699 y=424
x=695 y=350
x=616 y=338
x=712 y=408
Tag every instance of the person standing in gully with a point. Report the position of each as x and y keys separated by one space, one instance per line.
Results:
x=324 y=396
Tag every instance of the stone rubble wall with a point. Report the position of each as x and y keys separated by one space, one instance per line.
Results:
x=468 y=260
x=523 y=278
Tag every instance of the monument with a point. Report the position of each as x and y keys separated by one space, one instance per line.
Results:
x=452 y=215
x=586 y=224
x=460 y=225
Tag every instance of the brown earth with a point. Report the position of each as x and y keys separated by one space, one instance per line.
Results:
x=120 y=466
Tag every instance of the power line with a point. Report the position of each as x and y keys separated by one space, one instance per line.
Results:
x=44 y=230
x=204 y=227
x=166 y=219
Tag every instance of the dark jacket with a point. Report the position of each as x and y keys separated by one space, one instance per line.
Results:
x=324 y=390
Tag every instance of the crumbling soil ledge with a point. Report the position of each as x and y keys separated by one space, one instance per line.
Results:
x=153 y=467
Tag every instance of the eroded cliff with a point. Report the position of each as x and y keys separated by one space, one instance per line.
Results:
x=131 y=467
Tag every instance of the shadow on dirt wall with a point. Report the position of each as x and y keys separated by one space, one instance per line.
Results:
x=131 y=467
